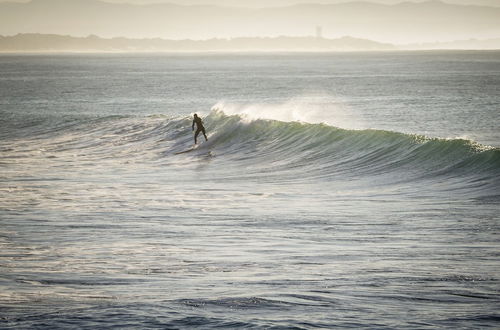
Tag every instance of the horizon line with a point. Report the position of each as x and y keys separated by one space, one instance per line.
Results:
x=91 y=35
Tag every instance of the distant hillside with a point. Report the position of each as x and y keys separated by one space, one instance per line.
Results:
x=50 y=42
x=406 y=22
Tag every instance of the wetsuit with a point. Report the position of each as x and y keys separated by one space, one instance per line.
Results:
x=199 y=128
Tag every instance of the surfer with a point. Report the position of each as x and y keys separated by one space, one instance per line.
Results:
x=199 y=128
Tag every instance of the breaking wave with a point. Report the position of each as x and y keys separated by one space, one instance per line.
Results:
x=267 y=147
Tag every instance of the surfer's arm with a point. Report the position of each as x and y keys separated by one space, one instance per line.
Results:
x=192 y=126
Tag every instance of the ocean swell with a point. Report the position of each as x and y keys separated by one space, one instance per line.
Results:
x=290 y=150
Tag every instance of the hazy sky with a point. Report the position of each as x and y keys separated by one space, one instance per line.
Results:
x=401 y=24
x=267 y=3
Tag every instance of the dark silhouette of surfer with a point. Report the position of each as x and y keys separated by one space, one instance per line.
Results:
x=199 y=128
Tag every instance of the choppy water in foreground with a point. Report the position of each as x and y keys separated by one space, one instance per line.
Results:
x=336 y=190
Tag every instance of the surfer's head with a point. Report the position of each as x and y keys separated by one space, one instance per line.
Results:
x=195 y=115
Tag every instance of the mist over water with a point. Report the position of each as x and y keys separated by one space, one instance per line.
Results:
x=351 y=190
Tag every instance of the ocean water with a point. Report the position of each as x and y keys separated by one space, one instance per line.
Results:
x=351 y=190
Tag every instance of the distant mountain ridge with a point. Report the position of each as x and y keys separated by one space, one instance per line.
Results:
x=402 y=23
x=50 y=42
x=34 y=42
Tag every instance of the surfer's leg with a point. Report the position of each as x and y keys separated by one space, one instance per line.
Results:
x=204 y=134
x=196 y=135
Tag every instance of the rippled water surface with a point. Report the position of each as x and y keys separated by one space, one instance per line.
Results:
x=356 y=190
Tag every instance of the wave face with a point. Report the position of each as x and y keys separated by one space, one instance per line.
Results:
x=326 y=151
x=275 y=150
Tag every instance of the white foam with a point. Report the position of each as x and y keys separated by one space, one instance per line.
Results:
x=313 y=110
